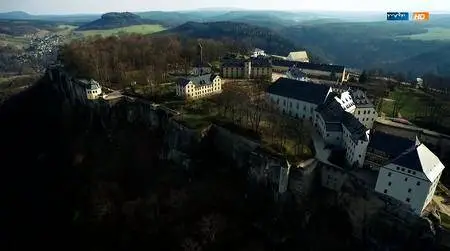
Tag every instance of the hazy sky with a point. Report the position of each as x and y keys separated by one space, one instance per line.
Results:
x=100 y=6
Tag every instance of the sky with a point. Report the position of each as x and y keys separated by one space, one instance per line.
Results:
x=102 y=6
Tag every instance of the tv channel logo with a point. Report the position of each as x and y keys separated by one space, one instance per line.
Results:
x=397 y=16
x=421 y=16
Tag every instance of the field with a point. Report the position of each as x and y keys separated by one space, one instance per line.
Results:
x=411 y=101
x=141 y=29
x=16 y=41
x=436 y=33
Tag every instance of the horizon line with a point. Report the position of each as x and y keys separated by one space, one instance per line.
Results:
x=231 y=9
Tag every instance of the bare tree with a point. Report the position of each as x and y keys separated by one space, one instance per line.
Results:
x=211 y=225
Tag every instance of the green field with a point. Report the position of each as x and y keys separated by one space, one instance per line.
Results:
x=17 y=41
x=411 y=101
x=432 y=34
x=140 y=29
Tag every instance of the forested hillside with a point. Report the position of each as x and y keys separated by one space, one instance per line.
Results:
x=115 y=20
x=246 y=34
x=144 y=58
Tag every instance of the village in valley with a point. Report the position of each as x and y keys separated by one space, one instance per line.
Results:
x=314 y=115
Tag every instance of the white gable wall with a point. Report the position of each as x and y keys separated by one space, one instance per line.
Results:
x=366 y=116
x=408 y=186
x=355 y=151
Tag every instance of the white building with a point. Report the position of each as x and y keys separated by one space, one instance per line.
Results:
x=93 y=89
x=257 y=53
x=296 y=74
x=298 y=56
x=193 y=87
x=364 y=111
x=412 y=177
x=338 y=127
x=297 y=98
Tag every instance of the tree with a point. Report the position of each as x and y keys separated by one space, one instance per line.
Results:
x=363 y=77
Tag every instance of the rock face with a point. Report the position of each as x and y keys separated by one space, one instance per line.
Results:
x=180 y=142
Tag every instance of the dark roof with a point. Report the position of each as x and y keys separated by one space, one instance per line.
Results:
x=356 y=129
x=390 y=144
x=299 y=90
x=331 y=111
x=261 y=62
x=309 y=66
x=234 y=63
x=256 y=62
x=409 y=159
x=205 y=79
x=360 y=99
x=296 y=72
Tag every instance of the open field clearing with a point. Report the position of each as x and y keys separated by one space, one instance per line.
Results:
x=432 y=34
x=140 y=29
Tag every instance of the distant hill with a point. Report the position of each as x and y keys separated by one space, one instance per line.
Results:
x=247 y=34
x=15 y=15
x=114 y=20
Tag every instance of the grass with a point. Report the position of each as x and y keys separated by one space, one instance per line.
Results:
x=17 y=41
x=436 y=33
x=411 y=100
x=445 y=221
x=140 y=29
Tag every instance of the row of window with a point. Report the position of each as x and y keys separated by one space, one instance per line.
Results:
x=368 y=112
x=407 y=199
x=406 y=179
x=403 y=169
x=93 y=92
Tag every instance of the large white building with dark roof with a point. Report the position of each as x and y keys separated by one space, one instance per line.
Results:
x=297 y=98
x=412 y=177
x=198 y=86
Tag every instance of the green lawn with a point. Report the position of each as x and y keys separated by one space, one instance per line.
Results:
x=411 y=101
x=432 y=34
x=445 y=221
x=140 y=29
x=16 y=41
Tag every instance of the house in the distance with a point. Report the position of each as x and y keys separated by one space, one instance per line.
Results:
x=247 y=68
x=311 y=69
x=412 y=177
x=298 y=56
x=258 y=53
x=93 y=88
x=199 y=86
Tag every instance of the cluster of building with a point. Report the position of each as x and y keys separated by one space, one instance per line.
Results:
x=407 y=171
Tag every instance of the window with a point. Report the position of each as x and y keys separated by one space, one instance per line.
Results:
x=359 y=112
x=328 y=135
x=385 y=190
x=408 y=199
x=414 y=172
x=406 y=179
x=409 y=190
x=409 y=171
x=360 y=155
x=364 y=112
x=403 y=169
x=389 y=174
x=390 y=183
x=290 y=104
x=398 y=168
x=418 y=183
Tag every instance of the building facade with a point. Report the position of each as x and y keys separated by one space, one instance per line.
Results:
x=258 y=53
x=311 y=69
x=298 y=99
x=247 y=68
x=93 y=89
x=412 y=177
x=200 y=86
x=364 y=111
